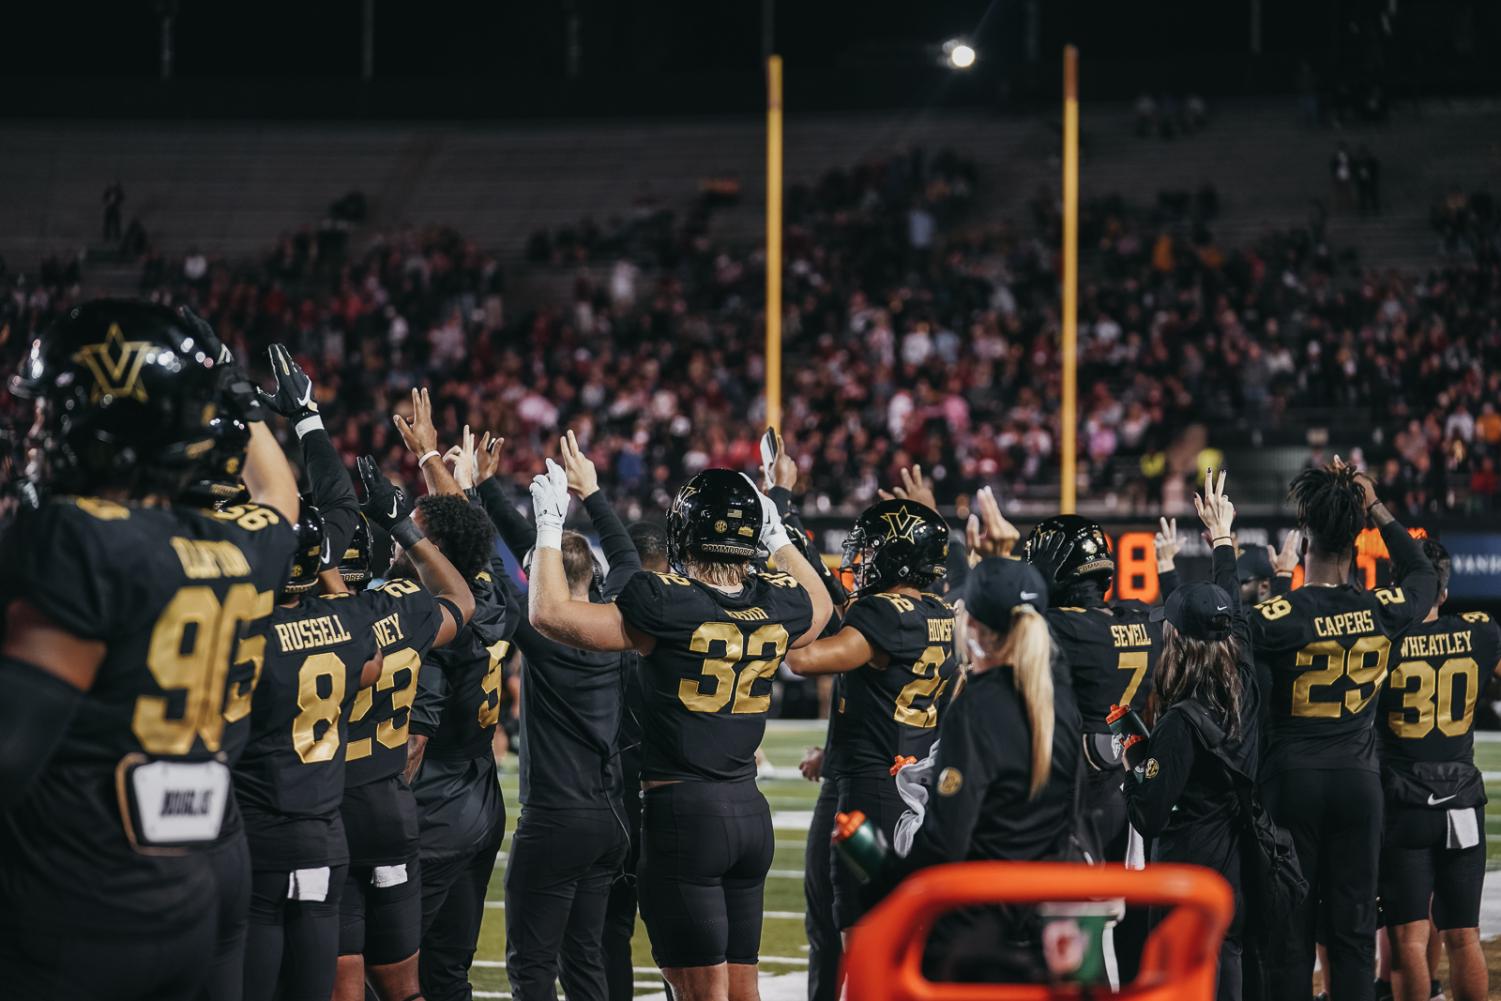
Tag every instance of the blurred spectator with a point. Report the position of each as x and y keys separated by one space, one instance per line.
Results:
x=114 y=201
x=1367 y=182
x=1342 y=176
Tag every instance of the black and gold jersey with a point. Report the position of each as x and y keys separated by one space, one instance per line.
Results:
x=1326 y=652
x=881 y=713
x=406 y=619
x=113 y=834
x=1426 y=717
x=707 y=683
x=291 y=778
x=1110 y=652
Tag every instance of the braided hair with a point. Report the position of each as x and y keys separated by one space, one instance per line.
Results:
x=1330 y=506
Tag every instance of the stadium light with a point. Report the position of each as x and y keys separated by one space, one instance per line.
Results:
x=958 y=54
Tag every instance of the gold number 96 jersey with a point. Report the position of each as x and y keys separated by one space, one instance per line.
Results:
x=114 y=830
x=707 y=684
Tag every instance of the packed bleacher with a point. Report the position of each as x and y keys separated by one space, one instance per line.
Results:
x=911 y=336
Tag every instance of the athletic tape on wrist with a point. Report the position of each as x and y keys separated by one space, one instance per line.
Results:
x=407 y=533
x=312 y=422
x=549 y=536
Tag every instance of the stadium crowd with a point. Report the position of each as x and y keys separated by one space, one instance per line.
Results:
x=912 y=336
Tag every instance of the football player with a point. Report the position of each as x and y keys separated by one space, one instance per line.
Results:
x=711 y=636
x=1110 y=649
x=895 y=659
x=572 y=836
x=450 y=755
x=123 y=614
x=1433 y=851
x=422 y=607
x=320 y=650
x=1324 y=651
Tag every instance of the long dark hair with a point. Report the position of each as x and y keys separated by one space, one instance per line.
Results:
x=1206 y=671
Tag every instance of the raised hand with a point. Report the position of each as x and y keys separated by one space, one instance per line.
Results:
x=1286 y=559
x=914 y=488
x=464 y=472
x=550 y=504
x=773 y=533
x=988 y=533
x=1215 y=509
x=583 y=479
x=1367 y=485
x=1168 y=543
x=420 y=436
x=784 y=470
x=487 y=458
x=293 y=398
x=385 y=504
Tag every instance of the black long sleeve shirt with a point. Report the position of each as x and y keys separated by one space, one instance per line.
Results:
x=332 y=490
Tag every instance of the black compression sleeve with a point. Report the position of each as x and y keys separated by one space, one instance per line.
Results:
x=333 y=491
x=34 y=717
x=620 y=551
x=1410 y=568
x=782 y=498
x=515 y=531
x=453 y=609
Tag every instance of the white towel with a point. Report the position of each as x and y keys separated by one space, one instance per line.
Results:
x=308 y=884
x=912 y=785
x=1464 y=829
x=388 y=875
x=1136 y=849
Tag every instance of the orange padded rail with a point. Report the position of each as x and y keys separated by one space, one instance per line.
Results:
x=883 y=962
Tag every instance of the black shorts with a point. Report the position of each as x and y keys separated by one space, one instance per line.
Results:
x=1416 y=867
x=877 y=798
x=380 y=912
x=705 y=850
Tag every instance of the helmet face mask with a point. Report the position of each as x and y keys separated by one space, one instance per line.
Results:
x=354 y=566
x=311 y=553
x=715 y=518
x=896 y=542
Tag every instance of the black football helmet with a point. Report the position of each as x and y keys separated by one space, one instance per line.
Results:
x=717 y=515
x=221 y=479
x=896 y=542
x=1068 y=549
x=354 y=565
x=126 y=394
x=312 y=551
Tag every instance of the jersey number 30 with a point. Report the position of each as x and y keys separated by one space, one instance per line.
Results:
x=768 y=642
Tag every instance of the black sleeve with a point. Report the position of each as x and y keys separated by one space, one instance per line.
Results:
x=1223 y=569
x=432 y=696
x=880 y=621
x=782 y=498
x=1282 y=584
x=620 y=551
x=1167 y=583
x=1416 y=581
x=644 y=604
x=1157 y=783
x=333 y=491
x=515 y=531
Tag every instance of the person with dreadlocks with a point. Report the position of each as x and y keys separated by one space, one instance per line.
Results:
x=1325 y=647
x=1206 y=703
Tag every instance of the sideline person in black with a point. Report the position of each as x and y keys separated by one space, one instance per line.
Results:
x=1109 y=650
x=1433 y=851
x=124 y=612
x=650 y=542
x=1003 y=772
x=711 y=637
x=1205 y=695
x=1326 y=648
x=572 y=836
x=894 y=657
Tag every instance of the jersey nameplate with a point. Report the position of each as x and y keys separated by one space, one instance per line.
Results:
x=176 y=803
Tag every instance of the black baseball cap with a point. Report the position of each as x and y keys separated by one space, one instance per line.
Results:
x=1253 y=564
x=1200 y=611
x=997 y=585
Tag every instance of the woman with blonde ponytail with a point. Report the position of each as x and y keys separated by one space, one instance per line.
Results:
x=1003 y=772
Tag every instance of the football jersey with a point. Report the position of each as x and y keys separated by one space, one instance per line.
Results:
x=706 y=685
x=115 y=833
x=884 y=712
x=406 y=620
x=291 y=779
x=1427 y=710
x=458 y=708
x=1325 y=652
x=1110 y=653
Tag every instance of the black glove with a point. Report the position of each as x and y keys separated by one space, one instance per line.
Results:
x=238 y=391
x=293 y=398
x=387 y=505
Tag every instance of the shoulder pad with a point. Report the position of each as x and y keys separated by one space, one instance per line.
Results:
x=400 y=588
x=900 y=602
x=103 y=510
x=1390 y=595
x=674 y=579
x=1274 y=608
x=1475 y=617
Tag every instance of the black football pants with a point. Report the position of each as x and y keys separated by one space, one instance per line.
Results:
x=232 y=877
x=145 y=964
x=558 y=880
x=1335 y=819
x=620 y=909
x=292 y=949
x=825 y=947
x=453 y=908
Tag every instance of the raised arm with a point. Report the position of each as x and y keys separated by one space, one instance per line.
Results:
x=389 y=507
x=1411 y=571
x=516 y=532
x=789 y=557
x=268 y=476
x=421 y=438
x=1168 y=542
x=1218 y=516
x=620 y=551
x=1285 y=562
x=779 y=489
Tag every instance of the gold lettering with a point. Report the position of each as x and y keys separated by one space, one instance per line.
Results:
x=388 y=630
x=1345 y=623
x=748 y=615
x=940 y=630
x=1132 y=634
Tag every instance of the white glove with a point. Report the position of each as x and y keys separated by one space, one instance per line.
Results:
x=773 y=533
x=550 y=505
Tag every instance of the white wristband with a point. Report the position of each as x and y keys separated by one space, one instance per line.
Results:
x=312 y=422
x=427 y=455
x=549 y=537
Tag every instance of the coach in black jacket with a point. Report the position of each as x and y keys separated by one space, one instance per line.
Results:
x=571 y=838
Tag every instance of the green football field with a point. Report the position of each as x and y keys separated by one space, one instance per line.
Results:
x=783 y=944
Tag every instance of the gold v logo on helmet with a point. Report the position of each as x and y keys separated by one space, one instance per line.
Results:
x=901 y=524
x=115 y=365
